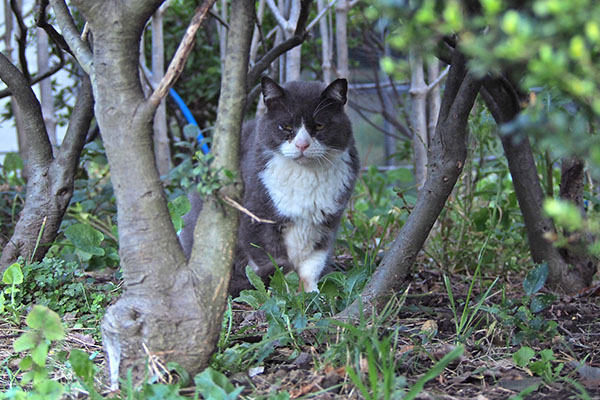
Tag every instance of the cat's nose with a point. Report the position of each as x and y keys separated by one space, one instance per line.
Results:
x=302 y=145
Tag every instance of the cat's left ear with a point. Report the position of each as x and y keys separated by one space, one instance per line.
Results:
x=337 y=90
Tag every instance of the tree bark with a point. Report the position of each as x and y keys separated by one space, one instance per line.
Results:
x=577 y=254
x=341 y=38
x=504 y=104
x=325 y=46
x=161 y=138
x=418 y=116
x=50 y=183
x=45 y=85
x=447 y=155
x=171 y=308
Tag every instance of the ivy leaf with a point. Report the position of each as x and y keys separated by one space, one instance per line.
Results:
x=85 y=238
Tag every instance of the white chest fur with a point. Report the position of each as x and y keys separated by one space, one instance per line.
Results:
x=307 y=192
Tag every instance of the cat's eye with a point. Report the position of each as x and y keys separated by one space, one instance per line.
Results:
x=285 y=127
x=319 y=126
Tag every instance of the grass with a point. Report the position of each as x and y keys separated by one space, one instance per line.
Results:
x=474 y=302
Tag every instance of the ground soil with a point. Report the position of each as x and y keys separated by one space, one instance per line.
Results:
x=486 y=369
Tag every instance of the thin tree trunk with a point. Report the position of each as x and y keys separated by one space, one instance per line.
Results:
x=577 y=253
x=46 y=98
x=341 y=38
x=325 y=47
x=8 y=52
x=161 y=137
x=447 y=155
x=418 y=116
x=504 y=105
x=434 y=99
x=50 y=183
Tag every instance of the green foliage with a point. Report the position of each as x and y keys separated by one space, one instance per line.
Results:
x=542 y=366
x=12 y=198
x=44 y=328
x=525 y=314
x=214 y=385
x=59 y=285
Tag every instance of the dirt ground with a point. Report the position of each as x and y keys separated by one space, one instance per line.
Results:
x=486 y=369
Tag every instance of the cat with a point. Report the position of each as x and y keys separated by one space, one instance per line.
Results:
x=299 y=165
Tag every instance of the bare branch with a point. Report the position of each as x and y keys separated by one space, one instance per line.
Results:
x=359 y=111
x=439 y=79
x=21 y=39
x=39 y=148
x=80 y=49
x=320 y=15
x=185 y=47
x=37 y=78
x=272 y=55
x=79 y=123
x=218 y=18
x=282 y=22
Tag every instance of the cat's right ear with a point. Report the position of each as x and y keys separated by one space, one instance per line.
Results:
x=272 y=92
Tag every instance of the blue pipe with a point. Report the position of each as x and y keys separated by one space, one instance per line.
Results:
x=190 y=119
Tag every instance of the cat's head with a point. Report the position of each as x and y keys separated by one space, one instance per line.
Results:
x=305 y=121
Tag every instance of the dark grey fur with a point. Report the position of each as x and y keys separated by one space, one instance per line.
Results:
x=311 y=102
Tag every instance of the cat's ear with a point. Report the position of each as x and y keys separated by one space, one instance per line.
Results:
x=272 y=92
x=337 y=90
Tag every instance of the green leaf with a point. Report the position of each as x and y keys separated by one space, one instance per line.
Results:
x=40 y=353
x=535 y=279
x=161 y=392
x=82 y=365
x=26 y=341
x=523 y=356
x=49 y=390
x=256 y=281
x=215 y=386
x=85 y=238
x=177 y=209
x=13 y=275
x=541 y=302
x=46 y=321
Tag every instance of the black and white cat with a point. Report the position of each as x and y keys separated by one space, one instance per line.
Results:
x=299 y=166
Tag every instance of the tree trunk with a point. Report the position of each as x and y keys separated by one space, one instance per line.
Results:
x=447 y=155
x=504 y=105
x=161 y=137
x=46 y=97
x=418 y=116
x=577 y=253
x=171 y=308
x=341 y=38
x=50 y=183
x=325 y=46
x=434 y=98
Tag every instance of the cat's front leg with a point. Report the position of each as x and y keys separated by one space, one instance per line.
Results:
x=310 y=269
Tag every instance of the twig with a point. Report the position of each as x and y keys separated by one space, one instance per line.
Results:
x=185 y=47
x=80 y=48
x=320 y=15
x=218 y=18
x=439 y=79
x=241 y=208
